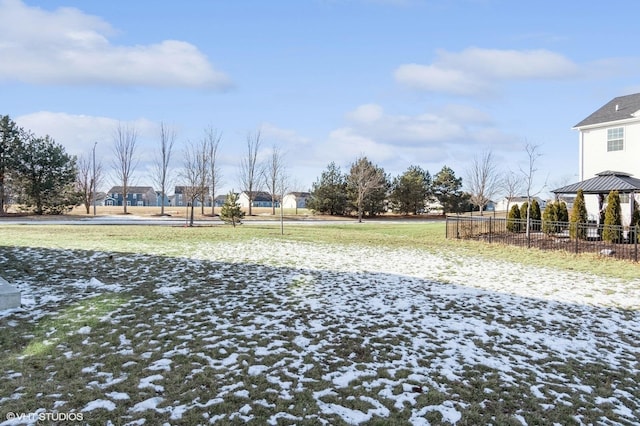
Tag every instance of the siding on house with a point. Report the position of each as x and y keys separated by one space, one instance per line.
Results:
x=136 y=196
x=260 y=199
x=609 y=138
x=295 y=200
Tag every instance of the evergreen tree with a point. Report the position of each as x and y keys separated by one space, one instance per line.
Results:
x=523 y=210
x=329 y=193
x=10 y=142
x=549 y=218
x=562 y=212
x=535 y=215
x=410 y=190
x=513 y=219
x=47 y=176
x=578 y=219
x=612 y=231
x=231 y=211
x=635 y=218
x=447 y=190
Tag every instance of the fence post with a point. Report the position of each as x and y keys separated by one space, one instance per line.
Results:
x=457 y=230
x=490 y=230
x=635 y=238
x=577 y=233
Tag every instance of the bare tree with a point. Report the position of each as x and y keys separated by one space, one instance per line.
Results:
x=86 y=181
x=194 y=174
x=250 y=172
x=212 y=141
x=125 y=139
x=512 y=185
x=363 y=179
x=161 y=171
x=533 y=154
x=203 y=163
x=483 y=180
x=274 y=176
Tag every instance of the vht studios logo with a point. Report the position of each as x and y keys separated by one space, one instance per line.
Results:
x=45 y=417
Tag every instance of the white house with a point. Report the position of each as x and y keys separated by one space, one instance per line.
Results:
x=609 y=139
x=608 y=156
x=295 y=200
x=260 y=199
x=519 y=201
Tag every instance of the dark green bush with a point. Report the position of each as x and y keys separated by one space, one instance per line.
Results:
x=513 y=219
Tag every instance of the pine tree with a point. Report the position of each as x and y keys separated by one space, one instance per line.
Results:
x=230 y=211
x=612 y=231
x=578 y=217
x=513 y=219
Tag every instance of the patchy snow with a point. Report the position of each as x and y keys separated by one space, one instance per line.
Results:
x=100 y=404
x=362 y=333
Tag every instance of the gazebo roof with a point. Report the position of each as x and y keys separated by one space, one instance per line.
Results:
x=603 y=183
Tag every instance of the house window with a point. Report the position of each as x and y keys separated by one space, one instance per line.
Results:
x=624 y=198
x=615 y=139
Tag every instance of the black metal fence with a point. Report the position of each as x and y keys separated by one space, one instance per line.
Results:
x=606 y=240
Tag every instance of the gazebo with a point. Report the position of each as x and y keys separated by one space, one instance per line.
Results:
x=600 y=186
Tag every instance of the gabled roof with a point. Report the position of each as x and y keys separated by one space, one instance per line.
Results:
x=300 y=194
x=259 y=196
x=603 y=183
x=620 y=108
x=131 y=190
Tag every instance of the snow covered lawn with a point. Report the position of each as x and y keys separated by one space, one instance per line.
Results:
x=266 y=332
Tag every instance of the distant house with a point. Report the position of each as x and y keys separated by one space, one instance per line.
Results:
x=167 y=201
x=295 y=200
x=220 y=200
x=181 y=196
x=260 y=199
x=136 y=196
x=519 y=201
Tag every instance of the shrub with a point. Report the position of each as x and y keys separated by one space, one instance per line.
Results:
x=578 y=218
x=513 y=219
x=612 y=231
x=535 y=215
x=230 y=211
x=562 y=214
x=549 y=217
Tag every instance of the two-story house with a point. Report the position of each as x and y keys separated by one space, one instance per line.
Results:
x=609 y=139
x=609 y=156
x=136 y=196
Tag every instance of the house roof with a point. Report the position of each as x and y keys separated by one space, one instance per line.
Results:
x=620 y=108
x=259 y=195
x=131 y=189
x=182 y=188
x=603 y=183
x=300 y=194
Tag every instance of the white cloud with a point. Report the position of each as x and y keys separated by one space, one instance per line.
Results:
x=66 y=46
x=475 y=71
x=78 y=133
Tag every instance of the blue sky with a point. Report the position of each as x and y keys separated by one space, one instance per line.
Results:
x=404 y=82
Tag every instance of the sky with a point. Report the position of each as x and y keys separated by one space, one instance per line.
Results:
x=405 y=83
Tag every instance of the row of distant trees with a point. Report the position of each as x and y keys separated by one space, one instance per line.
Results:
x=367 y=190
x=38 y=174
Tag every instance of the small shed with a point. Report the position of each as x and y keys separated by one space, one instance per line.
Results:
x=597 y=188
